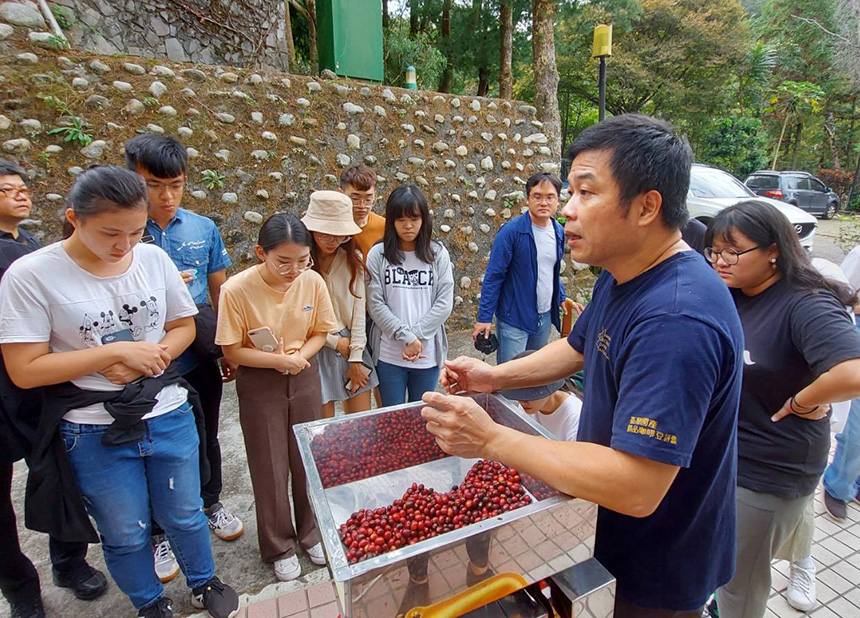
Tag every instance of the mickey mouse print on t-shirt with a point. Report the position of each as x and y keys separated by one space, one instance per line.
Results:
x=137 y=315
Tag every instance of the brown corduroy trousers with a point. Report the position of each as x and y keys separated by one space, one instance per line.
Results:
x=270 y=403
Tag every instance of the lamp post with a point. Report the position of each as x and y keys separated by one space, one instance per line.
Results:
x=411 y=82
x=601 y=49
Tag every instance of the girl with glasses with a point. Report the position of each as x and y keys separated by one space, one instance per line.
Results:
x=801 y=353
x=280 y=387
x=410 y=296
x=344 y=363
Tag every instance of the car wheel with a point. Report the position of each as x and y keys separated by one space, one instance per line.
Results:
x=830 y=212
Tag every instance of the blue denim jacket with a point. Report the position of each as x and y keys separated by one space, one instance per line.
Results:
x=193 y=242
x=509 y=289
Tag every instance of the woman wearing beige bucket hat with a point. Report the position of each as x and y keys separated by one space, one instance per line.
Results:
x=346 y=370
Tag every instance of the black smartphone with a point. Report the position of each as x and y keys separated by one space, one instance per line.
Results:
x=120 y=335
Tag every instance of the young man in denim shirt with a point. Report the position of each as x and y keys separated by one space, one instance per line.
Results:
x=194 y=244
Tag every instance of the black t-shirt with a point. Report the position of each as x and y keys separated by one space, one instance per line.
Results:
x=791 y=337
x=663 y=355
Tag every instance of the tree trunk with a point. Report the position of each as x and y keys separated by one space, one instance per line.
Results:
x=312 y=36
x=546 y=72
x=288 y=34
x=483 y=82
x=447 y=51
x=308 y=10
x=830 y=127
x=506 y=30
x=385 y=13
x=413 y=17
x=779 y=144
x=798 y=129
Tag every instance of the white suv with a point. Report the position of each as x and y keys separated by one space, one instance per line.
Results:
x=712 y=189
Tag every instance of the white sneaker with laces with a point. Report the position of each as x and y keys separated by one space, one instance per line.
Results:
x=223 y=523
x=316 y=554
x=166 y=567
x=288 y=569
x=802 y=589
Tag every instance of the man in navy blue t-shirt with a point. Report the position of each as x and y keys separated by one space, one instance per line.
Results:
x=662 y=348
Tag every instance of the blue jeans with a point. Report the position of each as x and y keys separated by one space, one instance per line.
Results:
x=119 y=484
x=396 y=381
x=513 y=341
x=842 y=476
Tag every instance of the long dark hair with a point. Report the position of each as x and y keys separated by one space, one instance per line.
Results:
x=283 y=228
x=765 y=225
x=407 y=201
x=353 y=262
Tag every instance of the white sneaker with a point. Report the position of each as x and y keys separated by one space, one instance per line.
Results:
x=316 y=554
x=223 y=523
x=288 y=569
x=802 y=588
x=166 y=567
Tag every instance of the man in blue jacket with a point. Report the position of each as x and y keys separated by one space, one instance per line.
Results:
x=521 y=286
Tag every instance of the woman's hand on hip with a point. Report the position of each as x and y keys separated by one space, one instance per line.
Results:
x=810 y=414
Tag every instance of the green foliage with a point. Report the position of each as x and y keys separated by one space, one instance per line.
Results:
x=74 y=133
x=402 y=50
x=213 y=179
x=670 y=58
x=64 y=16
x=150 y=101
x=734 y=143
x=58 y=42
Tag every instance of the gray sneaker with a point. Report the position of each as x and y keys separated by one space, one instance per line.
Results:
x=223 y=523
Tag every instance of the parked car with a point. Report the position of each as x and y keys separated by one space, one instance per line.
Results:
x=799 y=189
x=712 y=189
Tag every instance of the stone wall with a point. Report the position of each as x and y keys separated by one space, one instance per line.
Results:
x=260 y=142
x=246 y=33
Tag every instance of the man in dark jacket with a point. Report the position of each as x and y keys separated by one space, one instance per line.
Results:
x=19 y=580
x=521 y=286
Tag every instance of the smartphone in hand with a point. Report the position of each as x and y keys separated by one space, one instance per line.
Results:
x=263 y=339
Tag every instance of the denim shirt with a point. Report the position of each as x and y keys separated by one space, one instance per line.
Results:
x=193 y=242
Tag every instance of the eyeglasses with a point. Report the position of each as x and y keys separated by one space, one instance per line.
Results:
x=329 y=239
x=300 y=266
x=363 y=201
x=552 y=199
x=173 y=187
x=730 y=256
x=14 y=192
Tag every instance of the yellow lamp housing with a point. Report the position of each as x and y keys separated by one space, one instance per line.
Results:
x=602 y=41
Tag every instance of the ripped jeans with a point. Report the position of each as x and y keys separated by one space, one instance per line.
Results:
x=123 y=485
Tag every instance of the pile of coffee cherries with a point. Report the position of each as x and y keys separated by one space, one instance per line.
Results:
x=374 y=445
x=488 y=490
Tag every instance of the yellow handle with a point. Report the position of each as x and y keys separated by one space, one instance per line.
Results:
x=487 y=591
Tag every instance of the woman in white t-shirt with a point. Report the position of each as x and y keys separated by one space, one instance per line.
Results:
x=102 y=317
x=410 y=296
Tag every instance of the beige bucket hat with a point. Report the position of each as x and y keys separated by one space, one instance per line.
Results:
x=330 y=212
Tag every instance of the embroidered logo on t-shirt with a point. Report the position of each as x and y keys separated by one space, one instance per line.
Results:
x=648 y=427
x=603 y=341
x=308 y=308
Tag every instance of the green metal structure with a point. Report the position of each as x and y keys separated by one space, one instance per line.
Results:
x=349 y=38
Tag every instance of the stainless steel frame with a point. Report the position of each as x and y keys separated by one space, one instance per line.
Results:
x=529 y=543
